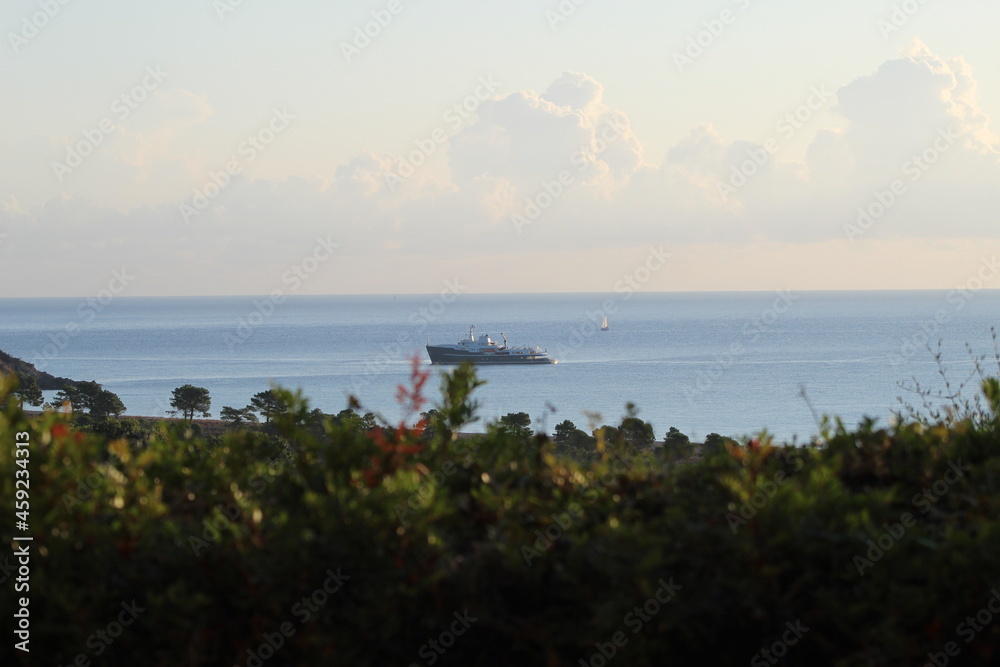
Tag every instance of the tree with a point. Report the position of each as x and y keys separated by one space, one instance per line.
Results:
x=517 y=424
x=87 y=394
x=106 y=403
x=569 y=435
x=70 y=394
x=565 y=432
x=348 y=417
x=368 y=421
x=676 y=445
x=571 y=440
x=238 y=416
x=114 y=428
x=27 y=390
x=609 y=434
x=675 y=437
x=267 y=404
x=91 y=397
x=189 y=399
x=715 y=444
x=636 y=433
x=429 y=419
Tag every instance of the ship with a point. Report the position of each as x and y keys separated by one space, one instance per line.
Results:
x=485 y=350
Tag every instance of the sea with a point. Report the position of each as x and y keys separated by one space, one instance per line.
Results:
x=733 y=363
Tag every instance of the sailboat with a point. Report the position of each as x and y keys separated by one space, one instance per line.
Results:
x=604 y=324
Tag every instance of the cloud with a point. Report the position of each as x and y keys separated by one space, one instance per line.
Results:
x=528 y=140
x=577 y=91
x=892 y=119
x=564 y=154
x=901 y=107
x=915 y=122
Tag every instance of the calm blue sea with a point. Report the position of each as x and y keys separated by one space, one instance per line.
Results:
x=731 y=363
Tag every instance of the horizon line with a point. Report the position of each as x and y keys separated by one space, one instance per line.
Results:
x=565 y=293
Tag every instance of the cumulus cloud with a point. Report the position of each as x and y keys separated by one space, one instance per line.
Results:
x=575 y=90
x=891 y=116
x=567 y=157
x=528 y=139
x=914 y=123
x=901 y=107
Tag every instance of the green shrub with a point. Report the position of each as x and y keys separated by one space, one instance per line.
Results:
x=366 y=546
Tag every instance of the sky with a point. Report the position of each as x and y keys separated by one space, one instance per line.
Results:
x=213 y=147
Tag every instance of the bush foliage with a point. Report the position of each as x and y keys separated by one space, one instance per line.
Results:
x=345 y=545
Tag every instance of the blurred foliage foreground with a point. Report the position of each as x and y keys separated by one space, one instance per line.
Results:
x=411 y=546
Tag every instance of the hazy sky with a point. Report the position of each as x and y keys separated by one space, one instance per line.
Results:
x=247 y=146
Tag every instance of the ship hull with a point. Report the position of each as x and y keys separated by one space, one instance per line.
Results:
x=447 y=355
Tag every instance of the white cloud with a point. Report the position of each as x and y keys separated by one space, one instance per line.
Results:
x=506 y=159
x=528 y=139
